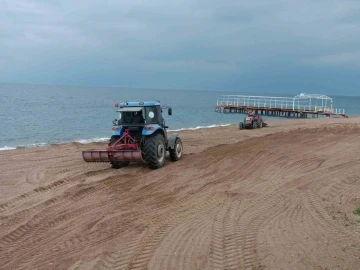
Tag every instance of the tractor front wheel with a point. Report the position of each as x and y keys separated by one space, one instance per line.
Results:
x=241 y=125
x=154 y=151
x=176 y=153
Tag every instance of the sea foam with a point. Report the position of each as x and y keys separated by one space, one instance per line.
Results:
x=101 y=139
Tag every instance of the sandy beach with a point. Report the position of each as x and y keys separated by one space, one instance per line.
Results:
x=280 y=197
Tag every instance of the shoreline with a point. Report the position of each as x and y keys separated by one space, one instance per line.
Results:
x=197 y=128
x=100 y=139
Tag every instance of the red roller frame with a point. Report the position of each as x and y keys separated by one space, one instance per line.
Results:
x=125 y=142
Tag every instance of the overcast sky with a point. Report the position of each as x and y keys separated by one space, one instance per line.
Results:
x=254 y=45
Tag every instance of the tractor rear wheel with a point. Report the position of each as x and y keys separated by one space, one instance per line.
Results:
x=176 y=153
x=154 y=151
x=113 y=139
x=254 y=124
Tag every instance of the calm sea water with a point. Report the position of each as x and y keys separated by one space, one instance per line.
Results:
x=36 y=115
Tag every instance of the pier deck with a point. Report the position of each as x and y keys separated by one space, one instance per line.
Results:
x=301 y=105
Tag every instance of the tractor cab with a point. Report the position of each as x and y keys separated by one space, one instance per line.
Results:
x=131 y=116
x=252 y=113
x=140 y=118
x=147 y=114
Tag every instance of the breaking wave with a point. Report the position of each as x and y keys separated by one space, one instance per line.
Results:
x=102 y=139
x=85 y=141
x=200 y=127
x=7 y=148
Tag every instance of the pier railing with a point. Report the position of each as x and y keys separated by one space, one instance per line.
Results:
x=302 y=102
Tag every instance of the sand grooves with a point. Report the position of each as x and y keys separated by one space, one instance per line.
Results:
x=282 y=201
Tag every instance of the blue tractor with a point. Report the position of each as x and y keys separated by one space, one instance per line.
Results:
x=139 y=135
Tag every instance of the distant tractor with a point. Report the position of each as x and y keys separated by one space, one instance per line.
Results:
x=139 y=135
x=252 y=121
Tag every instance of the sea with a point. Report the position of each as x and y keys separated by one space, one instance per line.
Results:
x=39 y=115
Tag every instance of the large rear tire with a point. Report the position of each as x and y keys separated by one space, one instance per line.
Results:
x=113 y=139
x=254 y=124
x=177 y=152
x=154 y=151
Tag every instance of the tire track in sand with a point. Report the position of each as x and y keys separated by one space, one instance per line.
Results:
x=344 y=190
x=15 y=202
x=250 y=239
x=291 y=232
x=179 y=248
x=159 y=225
x=224 y=248
x=340 y=234
x=176 y=209
x=188 y=200
x=63 y=201
x=249 y=226
x=314 y=224
x=157 y=231
x=257 y=212
x=338 y=238
x=37 y=229
x=48 y=217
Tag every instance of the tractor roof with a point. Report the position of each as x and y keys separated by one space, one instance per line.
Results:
x=129 y=109
x=139 y=103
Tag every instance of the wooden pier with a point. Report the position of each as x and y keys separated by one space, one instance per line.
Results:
x=302 y=105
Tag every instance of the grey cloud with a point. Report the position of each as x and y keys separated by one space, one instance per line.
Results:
x=231 y=37
x=350 y=60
